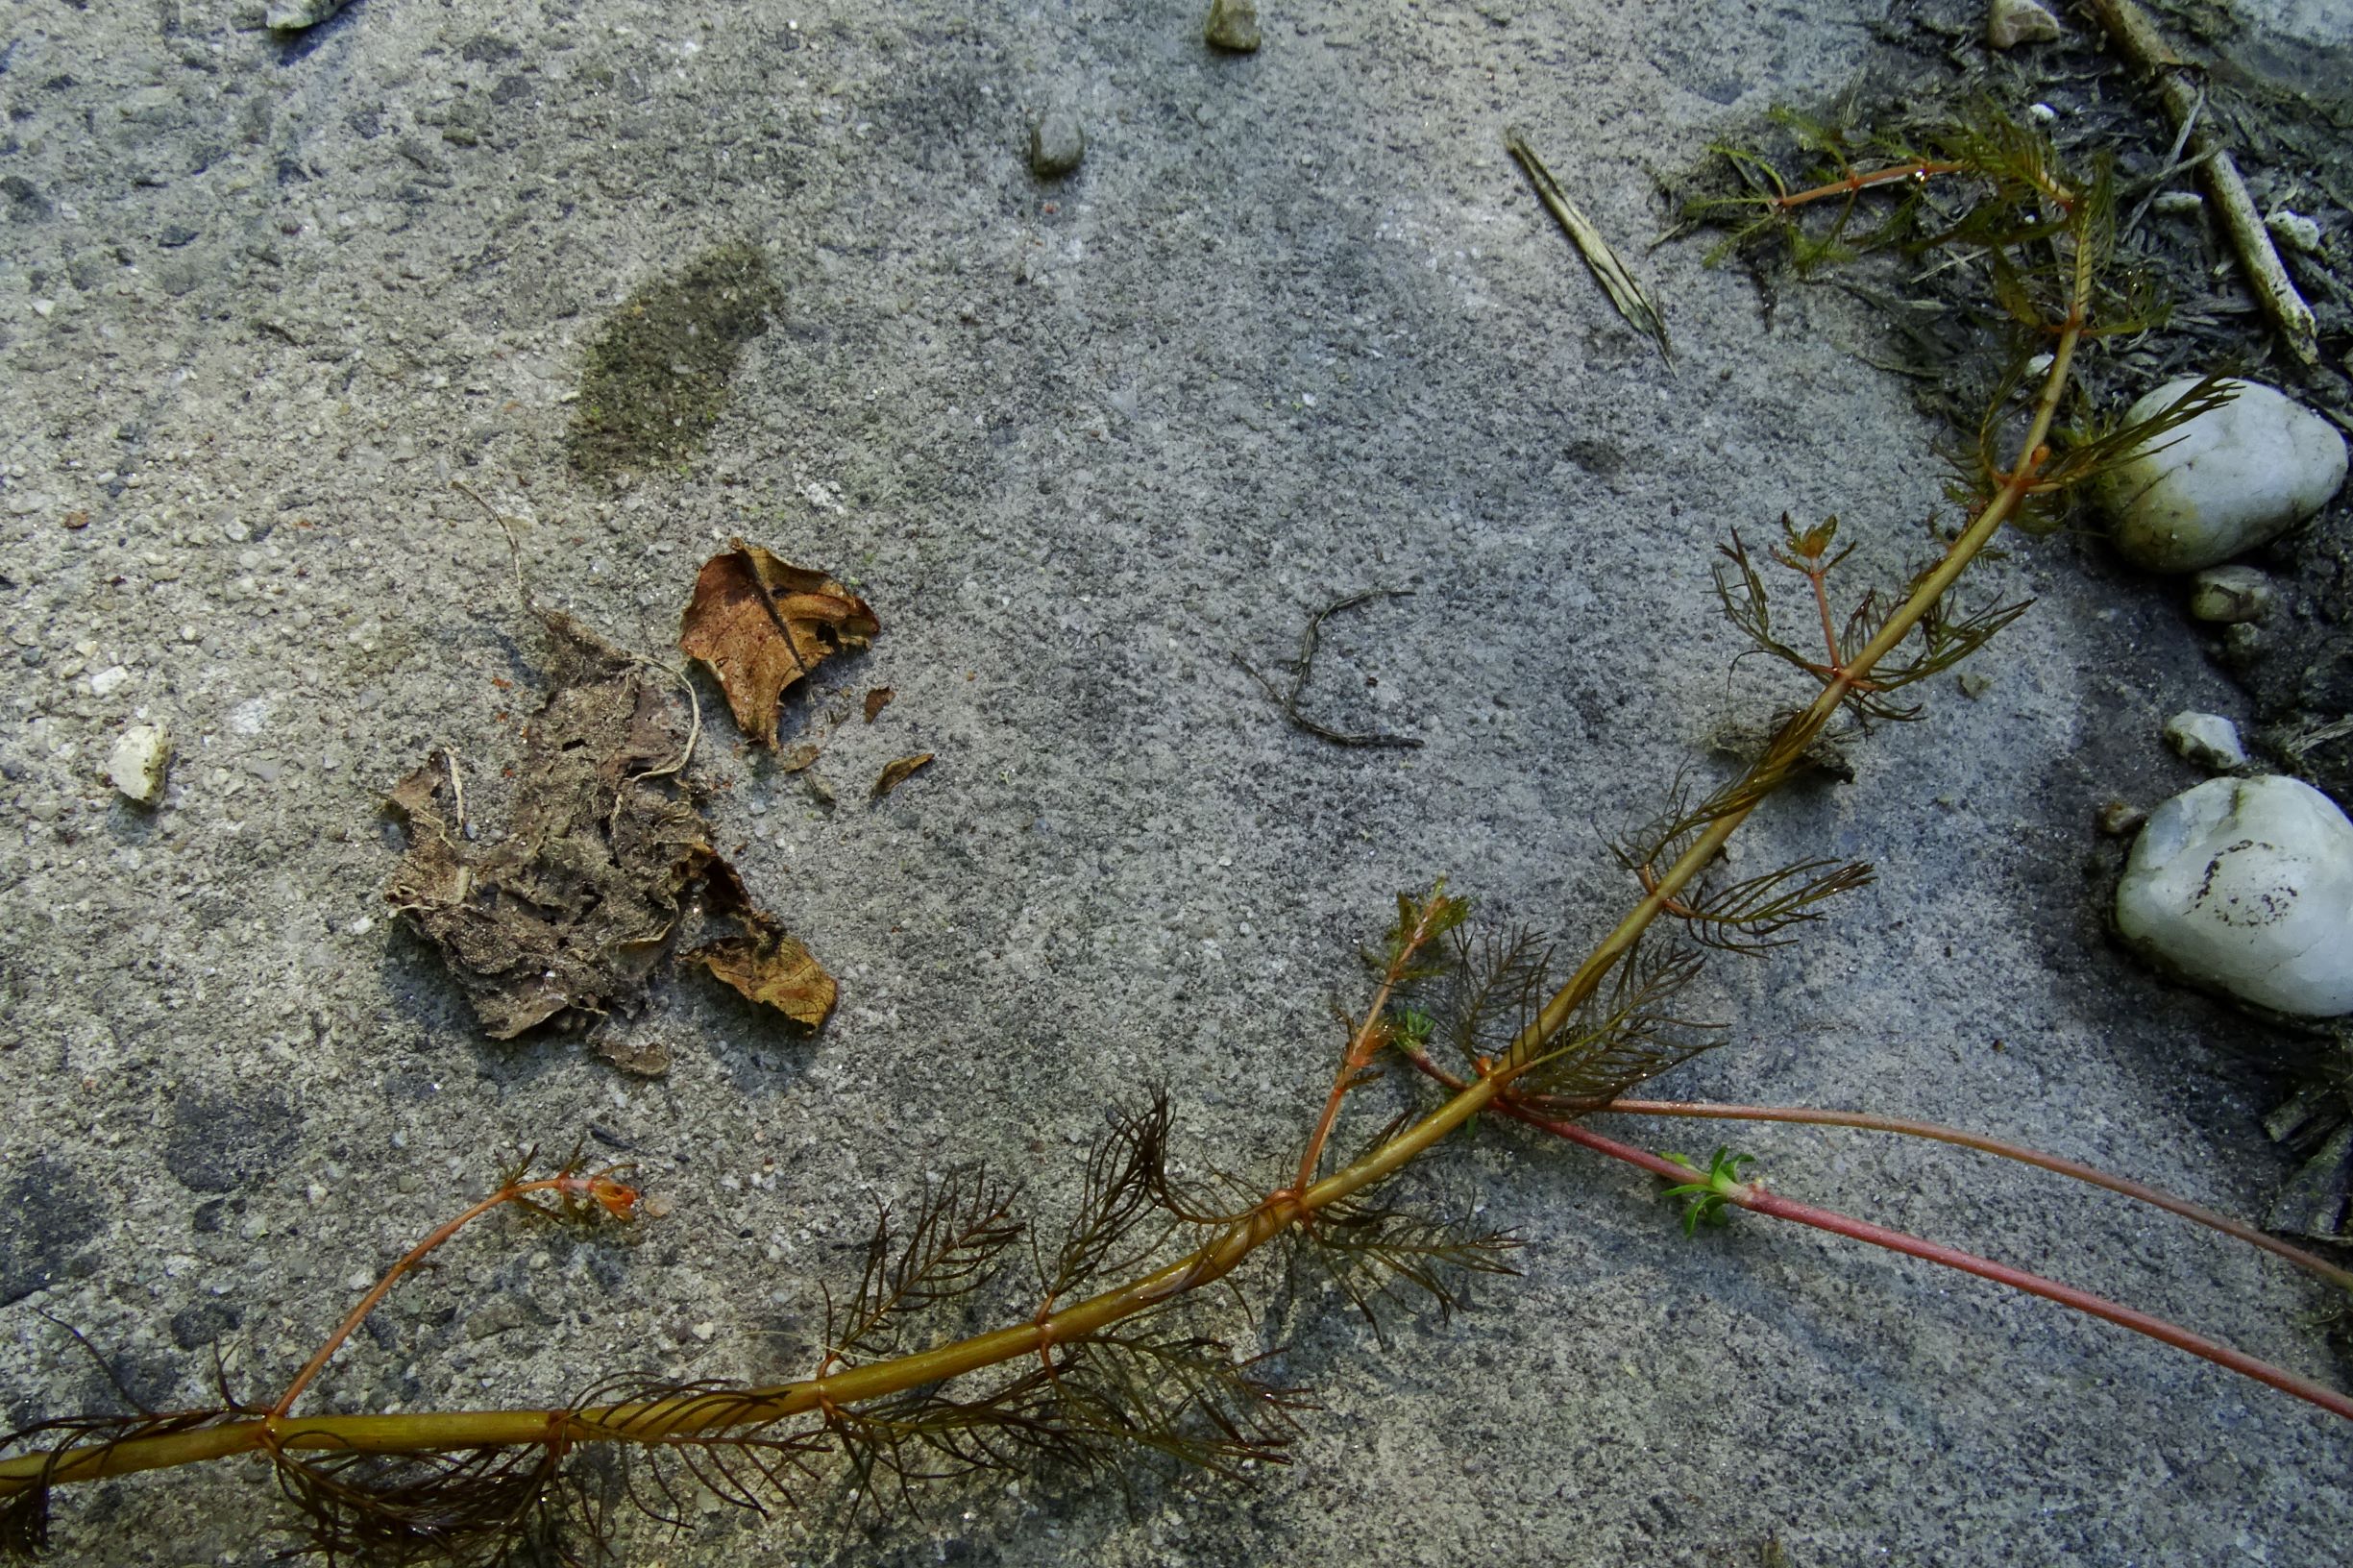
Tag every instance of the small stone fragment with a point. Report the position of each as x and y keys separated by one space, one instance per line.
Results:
x=109 y=680
x=2226 y=594
x=2120 y=819
x=2222 y=482
x=2294 y=231
x=2246 y=886
x=138 y=762
x=2206 y=740
x=1056 y=144
x=1233 y=24
x=2009 y=23
x=293 y=15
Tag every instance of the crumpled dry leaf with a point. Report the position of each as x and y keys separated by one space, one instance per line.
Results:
x=765 y=964
x=760 y=623
x=568 y=915
x=896 y=773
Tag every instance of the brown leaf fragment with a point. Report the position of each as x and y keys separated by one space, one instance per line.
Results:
x=772 y=968
x=797 y=757
x=760 y=623
x=897 y=773
x=876 y=701
x=765 y=964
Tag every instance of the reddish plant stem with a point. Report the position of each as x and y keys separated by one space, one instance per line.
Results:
x=1368 y=1037
x=615 y=1198
x=1754 y=1198
x=2310 y=1262
x=1856 y=182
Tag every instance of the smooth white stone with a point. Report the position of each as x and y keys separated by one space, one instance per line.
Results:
x=2225 y=481
x=2246 y=885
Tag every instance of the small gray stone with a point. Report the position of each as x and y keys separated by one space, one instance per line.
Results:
x=1233 y=24
x=1056 y=144
x=293 y=15
x=2009 y=23
x=2226 y=594
x=2294 y=231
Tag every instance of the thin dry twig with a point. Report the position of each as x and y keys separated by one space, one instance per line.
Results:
x=1304 y=664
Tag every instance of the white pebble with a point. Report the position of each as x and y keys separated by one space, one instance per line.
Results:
x=2246 y=885
x=2207 y=740
x=2222 y=482
x=109 y=680
x=137 y=764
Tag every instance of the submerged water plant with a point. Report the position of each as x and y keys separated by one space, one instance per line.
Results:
x=1110 y=1348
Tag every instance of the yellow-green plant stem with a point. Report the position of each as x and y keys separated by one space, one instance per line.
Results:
x=659 y=1420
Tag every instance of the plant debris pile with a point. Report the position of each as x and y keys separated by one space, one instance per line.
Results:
x=569 y=914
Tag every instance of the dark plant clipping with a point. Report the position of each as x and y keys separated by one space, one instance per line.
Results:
x=658 y=377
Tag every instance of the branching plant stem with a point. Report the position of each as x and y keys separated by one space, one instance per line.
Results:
x=2311 y=1263
x=1854 y=185
x=599 y=1187
x=1753 y=1197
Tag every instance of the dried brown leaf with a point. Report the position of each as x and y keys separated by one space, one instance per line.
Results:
x=876 y=701
x=569 y=912
x=760 y=623
x=897 y=773
x=772 y=968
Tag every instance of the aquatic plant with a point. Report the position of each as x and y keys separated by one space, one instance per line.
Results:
x=1113 y=1354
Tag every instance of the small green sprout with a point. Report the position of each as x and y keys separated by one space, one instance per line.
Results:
x=1708 y=1196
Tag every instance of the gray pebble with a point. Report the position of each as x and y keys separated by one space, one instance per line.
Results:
x=2230 y=594
x=2206 y=740
x=1056 y=144
x=292 y=16
x=1233 y=24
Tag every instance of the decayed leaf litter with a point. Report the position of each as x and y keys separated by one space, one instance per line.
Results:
x=606 y=856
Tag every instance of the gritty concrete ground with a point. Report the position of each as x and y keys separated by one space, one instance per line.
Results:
x=1293 y=329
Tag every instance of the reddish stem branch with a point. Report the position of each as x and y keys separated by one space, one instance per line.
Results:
x=2310 y=1262
x=1754 y=1198
x=1854 y=182
x=1365 y=1043
x=614 y=1197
